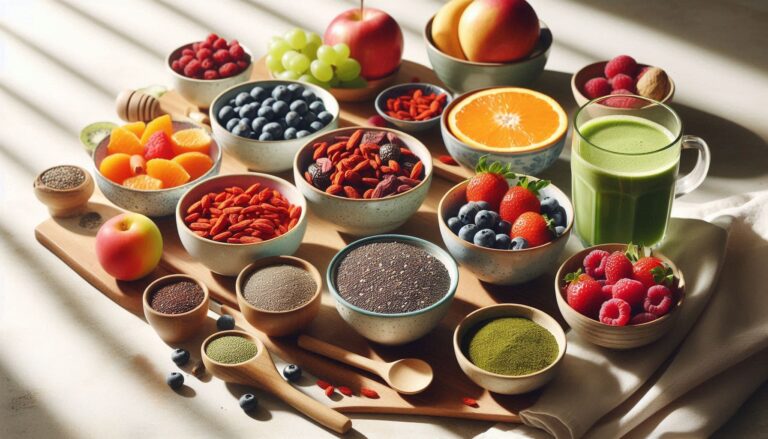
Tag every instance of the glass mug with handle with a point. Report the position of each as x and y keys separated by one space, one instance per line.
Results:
x=624 y=170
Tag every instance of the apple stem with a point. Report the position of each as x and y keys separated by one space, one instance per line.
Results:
x=361 y=8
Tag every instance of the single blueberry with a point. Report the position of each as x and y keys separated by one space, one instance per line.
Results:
x=254 y=135
x=559 y=230
x=281 y=93
x=241 y=130
x=274 y=129
x=548 y=205
x=265 y=137
x=231 y=102
x=519 y=243
x=243 y=98
x=292 y=372
x=559 y=216
x=280 y=108
x=246 y=121
x=248 y=402
x=308 y=96
x=503 y=241
x=293 y=119
x=248 y=111
x=467 y=232
x=226 y=114
x=258 y=124
x=180 y=356
x=231 y=123
x=302 y=133
x=236 y=109
x=325 y=117
x=503 y=227
x=289 y=133
x=483 y=205
x=268 y=102
x=485 y=238
x=467 y=212
x=266 y=112
x=309 y=117
x=317 y=107
x=454 y=224
x=486 y=219
x=258 y=93
x=174 y=380
x=299 y=106
x=316 y=126
x=225 y=322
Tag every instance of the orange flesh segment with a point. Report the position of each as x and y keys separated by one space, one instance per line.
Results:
x=116 y=167
x=191 y=140
x=143 y=182
x=124 y=141
x=195 y=163
x=136 y=128
x=167 y=171
x=162 y=123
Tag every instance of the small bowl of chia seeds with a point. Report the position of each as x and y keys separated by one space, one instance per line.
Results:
x=392 y=289
x=64 y=189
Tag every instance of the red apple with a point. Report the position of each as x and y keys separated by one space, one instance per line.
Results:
x=498 y=30
x=129 y=246
x=374 y=39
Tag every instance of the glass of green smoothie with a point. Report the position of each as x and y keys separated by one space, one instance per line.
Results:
x=624 y=168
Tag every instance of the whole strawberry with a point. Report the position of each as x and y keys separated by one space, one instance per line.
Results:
x=489 y=183
x=584 y=294
x=534 y=227
x=651 y=271
x=521 y=198
x=617 y=266
x=159 y=146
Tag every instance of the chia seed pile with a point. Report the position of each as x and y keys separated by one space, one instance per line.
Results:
x=391 y=277
x=279 y=288
x=177 y=297
x=63 y=177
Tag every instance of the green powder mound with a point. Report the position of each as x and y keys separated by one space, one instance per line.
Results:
x=512 y=346
x=231 y=349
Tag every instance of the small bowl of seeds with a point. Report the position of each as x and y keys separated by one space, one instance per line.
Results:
x=64 y=189
x=176 y=306
x=279 y=295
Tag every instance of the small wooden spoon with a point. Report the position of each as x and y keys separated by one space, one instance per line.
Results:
x=407 y=376
x=260 y=371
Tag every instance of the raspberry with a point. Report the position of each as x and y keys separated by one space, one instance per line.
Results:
x=210 y=74
x=192 y=69
x=597 y=87
x=621 y=91
x=211 y=38
x=236 y=52
x=227 y=70
x=233 y=42
x=221 y=43
x=608 y=291
x=643 y=317
x=184 y=60
x=207 y=64
x=623 y=101
x=617 y=266
x=585 y=296
x=242 y=64
x=658 y=300
x=621 y=64
x=196 y=46
x=623 y=82
x=377 y=121
x=594 y=263
x=630 y=291
x=221 y=56
x=615 y=312
x=203 y=54
x=176 y=66
x=205 y=45
x=159 y=146
x=188 y=51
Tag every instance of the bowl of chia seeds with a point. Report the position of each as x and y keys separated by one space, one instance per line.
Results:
x=392 y=289
x=176 y=306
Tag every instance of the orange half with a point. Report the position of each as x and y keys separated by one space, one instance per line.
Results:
x=509 y=118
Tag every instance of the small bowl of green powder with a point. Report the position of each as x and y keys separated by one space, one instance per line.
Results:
x=509 y=348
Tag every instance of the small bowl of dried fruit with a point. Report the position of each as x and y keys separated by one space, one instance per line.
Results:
x=413 y=107
x=364 y=181
x=621 y=75
x=614 y=298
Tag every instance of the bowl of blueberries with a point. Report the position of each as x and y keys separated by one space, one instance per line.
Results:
x=500 y=252
x=264 y=123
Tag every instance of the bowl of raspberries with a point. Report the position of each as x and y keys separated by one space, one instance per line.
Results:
x=201 y=70
x=614 y=296
x=622 y=76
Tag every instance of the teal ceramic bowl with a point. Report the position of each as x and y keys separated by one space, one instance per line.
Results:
x=462 y=76
x=394 y=329
x=410 y=126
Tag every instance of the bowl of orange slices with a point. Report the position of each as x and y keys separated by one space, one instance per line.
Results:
x=146 y=168
x=513 y=125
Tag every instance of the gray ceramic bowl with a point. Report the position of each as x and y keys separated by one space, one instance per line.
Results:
x=399 y=90
x=229 y=259
x=394 y=329
x=461 y=75
x=362 y=217
x=502 y=267
x=267 y=156
x=201 y=92
x=531 y=162
x=149 y=203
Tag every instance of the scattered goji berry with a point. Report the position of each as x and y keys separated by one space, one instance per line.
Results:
x=369 y=393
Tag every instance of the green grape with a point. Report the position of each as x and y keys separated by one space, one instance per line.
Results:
x=313 y=38
x=299 y=63
x=277 y=48
x=308 y=79
x=321 y=70
x=297 y=38
x=274 y=64
x=348 y=69
x=342 y=52
x=288 y=75
x=326 y=54
x=287 y=57
x=310 y=50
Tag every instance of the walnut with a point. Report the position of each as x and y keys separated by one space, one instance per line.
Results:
x=653 y=84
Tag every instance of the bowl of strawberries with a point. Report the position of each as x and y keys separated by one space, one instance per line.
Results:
x=505 y=228
x=614 y=297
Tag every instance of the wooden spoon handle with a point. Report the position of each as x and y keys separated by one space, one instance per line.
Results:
x=331 y=351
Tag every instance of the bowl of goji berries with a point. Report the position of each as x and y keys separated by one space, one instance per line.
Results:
x=413 y=107
x=364 y=180
x=228 y=221
x=200 y=71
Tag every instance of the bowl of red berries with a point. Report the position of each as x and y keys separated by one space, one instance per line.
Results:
x=615 y=298
x=505 y=228
x=623 y=76
x=201 y=70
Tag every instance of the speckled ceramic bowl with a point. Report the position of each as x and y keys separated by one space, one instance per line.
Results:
x=530 y=162
x=595 y=70
x=394 y=329
x=410 y=126
x=201 y=92
x=267 y=156
x=151 y=203
x=462 y=75
x=503 y=267
x=230 y=259
x=508 y=384
x=362 y=217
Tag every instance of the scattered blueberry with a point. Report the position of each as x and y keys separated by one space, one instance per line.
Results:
x=258 y=124
x=548 y=205
x=174 y=380
x=281 y=93
x=243 y=98
x=467 y=212
x=559 y=216
x=231 y=123
x=302 y=133
x=485 y=238
x=266 y=137
x=559 y=230
x=248 y=402
x=258 y=93
x=503 y=227
x=519 y=243
x=280 y=108
x=325 y=117
x=293 y=119
x=226 y=113
x=274 y=129
x=486 y=219
x=180 y=356
x=289 y=133
x=317 y=107
x=292 y=372
x=299 y=107
x=268 y=102
x=454 y=224
x=316 y=126
x=503 y=241
x=483 y=205
x=467 y=232
x=225 y=322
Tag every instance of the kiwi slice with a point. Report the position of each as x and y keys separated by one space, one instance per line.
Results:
x=94 y=133
x=154 y=90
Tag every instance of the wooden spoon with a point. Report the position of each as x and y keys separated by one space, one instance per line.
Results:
x=260 y=371
x=407 y=376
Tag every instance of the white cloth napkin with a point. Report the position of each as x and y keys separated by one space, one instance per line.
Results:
x=693 y=379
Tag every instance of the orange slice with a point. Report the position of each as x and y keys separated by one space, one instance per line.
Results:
x=169 y=172
x=123 y=140
x=116 y=167
x=136 y=128
x=192 y=139
x=195 y=163
x=508 y=118
x=162 y=123
x=143 y=182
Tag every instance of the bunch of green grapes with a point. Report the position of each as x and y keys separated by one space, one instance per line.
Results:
x=301 y=55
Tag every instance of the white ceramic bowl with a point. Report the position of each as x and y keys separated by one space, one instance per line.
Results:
x=502 y=267
x=394 y=329
x=201 y=92
x=229 y=259
x=267 y=156
x=360 y=216
x=508 y=384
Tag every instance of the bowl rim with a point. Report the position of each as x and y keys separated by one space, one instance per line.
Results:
x=428 y=168
x=453 y=272
x=276 y=260
x=561 y=291
x=168 y=61
x=208 y=174
x=180 y=224
x=169 y=278
x=548 y=41
x=578 y=73
x=473 y=246
x=222 y=130
x=511 y=307
x=378 y=102
x=39 y=185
